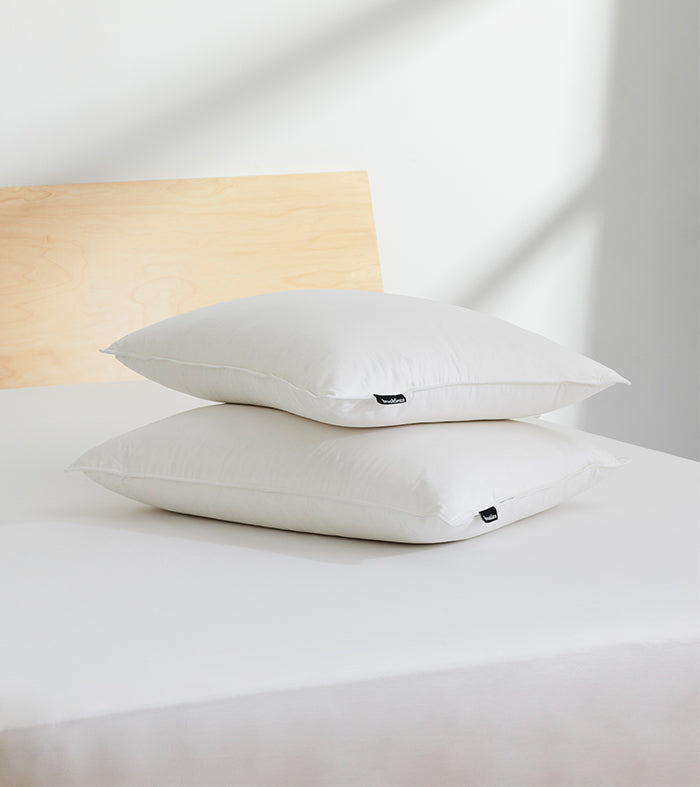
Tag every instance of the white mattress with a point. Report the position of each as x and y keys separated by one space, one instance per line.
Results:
x=139 y=646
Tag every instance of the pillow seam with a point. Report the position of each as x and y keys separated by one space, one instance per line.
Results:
x=270 y=375
x=449 y=521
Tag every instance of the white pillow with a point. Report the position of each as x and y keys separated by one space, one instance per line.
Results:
x=419 y=483
x=355 y=358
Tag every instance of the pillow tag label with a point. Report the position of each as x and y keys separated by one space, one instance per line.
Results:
x=390 y=398
x=489 y=514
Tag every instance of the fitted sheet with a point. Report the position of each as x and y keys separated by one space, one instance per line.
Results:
x=145 y=647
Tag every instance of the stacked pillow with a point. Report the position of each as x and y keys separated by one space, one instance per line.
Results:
x=356 y=414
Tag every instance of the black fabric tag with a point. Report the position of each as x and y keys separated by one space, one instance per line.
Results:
x=390 y=398
x=489 y=514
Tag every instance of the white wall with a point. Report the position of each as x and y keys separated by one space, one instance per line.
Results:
x=533 y=158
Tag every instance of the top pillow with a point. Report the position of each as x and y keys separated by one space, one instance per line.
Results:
x=355 y=358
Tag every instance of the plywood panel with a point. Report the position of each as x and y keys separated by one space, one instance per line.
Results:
x=84 y=264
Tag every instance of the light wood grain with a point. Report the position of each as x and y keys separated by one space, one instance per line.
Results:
x=81 y=265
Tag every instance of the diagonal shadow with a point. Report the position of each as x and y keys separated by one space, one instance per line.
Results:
x=645 y=310
x=214 y=102
x=521 y=255
x=644 y=313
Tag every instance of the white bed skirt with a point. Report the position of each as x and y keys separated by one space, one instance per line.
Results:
x=619 y=716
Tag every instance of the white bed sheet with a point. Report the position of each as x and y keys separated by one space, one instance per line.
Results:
x=143 y=647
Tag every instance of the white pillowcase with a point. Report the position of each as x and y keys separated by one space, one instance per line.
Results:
x=420 y=483
x=356 y=358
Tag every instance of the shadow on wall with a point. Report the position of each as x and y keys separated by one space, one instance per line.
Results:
x=646 y=309
x=242 y=90
x=645 y=303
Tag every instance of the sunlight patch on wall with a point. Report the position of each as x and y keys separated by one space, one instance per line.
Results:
x=551 y=292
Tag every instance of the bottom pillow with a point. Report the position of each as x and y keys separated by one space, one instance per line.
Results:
x=418 y=483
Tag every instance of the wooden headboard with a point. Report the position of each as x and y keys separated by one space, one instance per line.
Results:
x=84 y=264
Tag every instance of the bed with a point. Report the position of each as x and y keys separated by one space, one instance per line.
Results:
x=143 y=647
